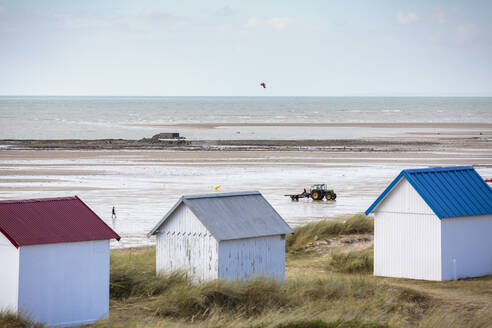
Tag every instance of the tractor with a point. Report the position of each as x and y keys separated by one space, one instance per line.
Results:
x=316 y=192
x=320 y=191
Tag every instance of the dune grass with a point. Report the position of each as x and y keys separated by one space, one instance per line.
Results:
x=356 y=224
x=175 y=296
x=139 y=298
x=361 y=261
x=331 y=290
x=324 y=290
x=199 y=302
x=11 y=320
x=333 y=324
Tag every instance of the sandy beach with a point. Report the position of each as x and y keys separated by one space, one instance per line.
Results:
x=144 y=177
x=144 y=183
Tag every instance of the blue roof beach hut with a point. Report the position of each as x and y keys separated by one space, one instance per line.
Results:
x=434 y=224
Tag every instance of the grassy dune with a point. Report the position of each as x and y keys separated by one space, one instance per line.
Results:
x=9 y=320
x=324 y=288
x=357 y=224
x=353 y=261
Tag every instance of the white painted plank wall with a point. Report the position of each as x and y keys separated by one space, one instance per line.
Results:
x=468 y=240
x=404 y=199
x=64 y=283
x=243 y=258
x=183 y=243
x=9 y=275
x=407 y=236
x=407 y=246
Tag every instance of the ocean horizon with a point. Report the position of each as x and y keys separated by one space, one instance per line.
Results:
x=94 y=117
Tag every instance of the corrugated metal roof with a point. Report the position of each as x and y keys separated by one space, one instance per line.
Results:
x=449 y=191
x=233 y=215
x=51 y=220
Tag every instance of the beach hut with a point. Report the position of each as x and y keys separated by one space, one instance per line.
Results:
x=222 y=235
x=54 y=261
x=434 y=224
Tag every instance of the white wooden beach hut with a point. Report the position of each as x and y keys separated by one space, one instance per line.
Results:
x=434 y=224
x=54 y=261
x=222 y=235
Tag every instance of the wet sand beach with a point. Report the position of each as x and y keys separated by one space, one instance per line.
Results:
x=144 y=183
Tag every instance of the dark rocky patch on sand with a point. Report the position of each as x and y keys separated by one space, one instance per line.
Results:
x=182 y=144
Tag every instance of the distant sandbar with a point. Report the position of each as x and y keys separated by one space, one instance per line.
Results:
x=214 y=125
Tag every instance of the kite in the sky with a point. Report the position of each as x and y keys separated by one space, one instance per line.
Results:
x=263 y=85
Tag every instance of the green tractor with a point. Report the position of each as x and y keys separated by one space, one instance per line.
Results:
x=320 y=191
x=317 y=192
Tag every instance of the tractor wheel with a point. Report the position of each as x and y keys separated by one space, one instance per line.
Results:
x=331 y=196
x=316 y=195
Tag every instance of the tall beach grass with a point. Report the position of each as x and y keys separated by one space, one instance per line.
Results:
x=334 y=292
x=13 y=320
x=356 y=224
x=361 y=261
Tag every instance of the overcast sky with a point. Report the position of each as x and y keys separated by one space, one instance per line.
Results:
x=226 y=48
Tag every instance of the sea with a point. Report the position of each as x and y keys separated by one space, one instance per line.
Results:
x=129 y=117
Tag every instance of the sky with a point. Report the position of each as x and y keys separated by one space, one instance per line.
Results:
x=227 y=48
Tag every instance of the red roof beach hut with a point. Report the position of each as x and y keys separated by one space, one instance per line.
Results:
x=54 y=255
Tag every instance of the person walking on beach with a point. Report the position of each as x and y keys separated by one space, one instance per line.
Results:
x=113 y=213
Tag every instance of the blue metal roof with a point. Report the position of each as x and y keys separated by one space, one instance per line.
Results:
x=233 y=215
x=449 y=191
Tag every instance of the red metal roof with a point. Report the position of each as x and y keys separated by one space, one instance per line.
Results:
x=51 y=220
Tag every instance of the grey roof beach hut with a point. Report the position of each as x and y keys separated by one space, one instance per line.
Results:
x=222 y=235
